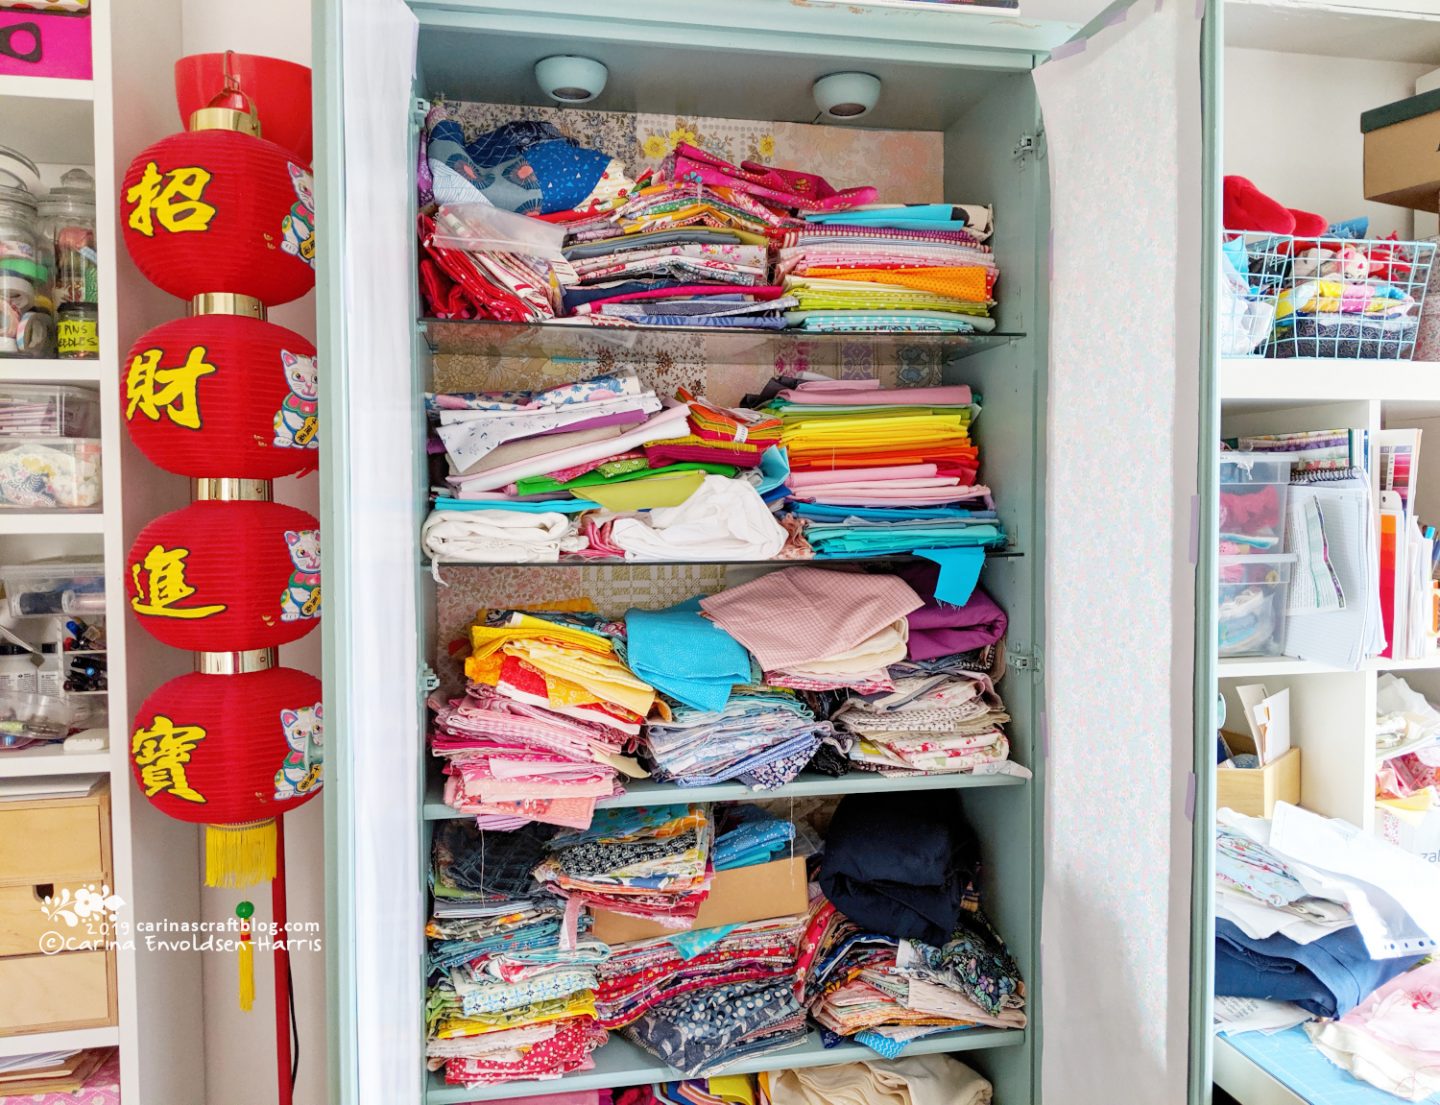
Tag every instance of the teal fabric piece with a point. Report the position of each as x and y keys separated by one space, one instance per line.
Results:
x=685 y=655
x=959 y=572
x=698 y=941
x=559 y=506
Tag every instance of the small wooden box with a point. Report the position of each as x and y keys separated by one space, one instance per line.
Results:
x=54 y=975
x=1254 y=791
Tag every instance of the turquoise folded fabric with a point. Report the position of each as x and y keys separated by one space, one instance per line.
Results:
x=685 y=655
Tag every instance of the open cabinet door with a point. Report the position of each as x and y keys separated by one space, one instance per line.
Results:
x=369 y=517
x=1123 y=139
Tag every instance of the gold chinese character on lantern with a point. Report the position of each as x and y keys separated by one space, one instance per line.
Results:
x=161 y=588
x=149 y=388
x=173 y=199
x=161 y=753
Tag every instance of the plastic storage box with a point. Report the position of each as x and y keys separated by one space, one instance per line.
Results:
x=48 y=410
x=1253 y=490
x=65 y=585
x=49 y=472
x=1253 y=591
x=28 y=718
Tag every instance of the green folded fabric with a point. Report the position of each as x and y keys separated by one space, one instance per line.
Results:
x=544 y=485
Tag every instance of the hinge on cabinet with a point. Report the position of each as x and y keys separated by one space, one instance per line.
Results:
x=429 y=681
x=418 y=110
x=1030 y=145
x=1032 y=661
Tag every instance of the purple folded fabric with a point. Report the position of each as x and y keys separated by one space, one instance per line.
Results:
x=619 y=418
x=939 y=629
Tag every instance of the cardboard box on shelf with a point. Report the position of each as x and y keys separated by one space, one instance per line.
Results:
x=1402 y=152
x=757 y=893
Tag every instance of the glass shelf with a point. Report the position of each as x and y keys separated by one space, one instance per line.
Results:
x=808 y=784
x=427 y=566
x=487 y=338
x=620 y=1063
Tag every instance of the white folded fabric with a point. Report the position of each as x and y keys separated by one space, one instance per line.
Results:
x=498 y=536
x=723 y=520
x=667 y=423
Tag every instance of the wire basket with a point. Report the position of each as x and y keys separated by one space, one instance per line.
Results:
x=1322 y=297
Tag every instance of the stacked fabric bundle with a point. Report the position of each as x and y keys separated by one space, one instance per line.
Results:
x=549 y=710
x=816 y=630
x=651 y=862
x=917 y=268
x=1310 y=913
x=505 y=1001
x=677 y=254
x=739 y=437
x=930 y=724
x=877 y=470
x=723 y=1089
x=919 y=1080
x=900 y=946
x=763 y=736
x=712 y=1027
x=641 y=976
x=1392 y=1038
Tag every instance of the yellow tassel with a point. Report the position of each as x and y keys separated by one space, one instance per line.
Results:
x=247 y=976
x=239 y=855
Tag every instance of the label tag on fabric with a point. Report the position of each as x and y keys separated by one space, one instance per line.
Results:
x=959 y=572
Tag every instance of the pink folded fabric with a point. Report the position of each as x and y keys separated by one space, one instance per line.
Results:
x=668 y=423
x=797 y=480
x=790 y=617
x=957 y=396
x=685 y=291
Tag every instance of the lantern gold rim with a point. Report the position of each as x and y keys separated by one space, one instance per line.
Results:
x=231 y=489
x=236 y=663
x=227 y=303
x=225 y=118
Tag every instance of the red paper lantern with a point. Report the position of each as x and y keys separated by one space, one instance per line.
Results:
x=232 y=752
x=280 y=91
x=221 y=211
x=219 y=576
x=227 y=394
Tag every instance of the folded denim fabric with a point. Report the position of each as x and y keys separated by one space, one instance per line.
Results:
x=1328 y=977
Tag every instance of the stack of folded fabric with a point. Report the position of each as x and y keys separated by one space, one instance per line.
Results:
x=915 y=268
x=505 y=1001
x=1331 y=923
x=642 y=975
x=930 y=724
x=883 y=470
x=549 y=711
x=1392 y=1038
x=651 y=862
x=719 y=435
x=677 y=254
x=916 y=1080
x=812 y=629
x=712 y=1027
x=901 y=948
x=763 y=736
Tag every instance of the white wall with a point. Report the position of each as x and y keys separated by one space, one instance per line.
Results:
x=239 y=1047
x=1292 y=125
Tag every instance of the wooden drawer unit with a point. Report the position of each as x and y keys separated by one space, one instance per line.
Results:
x=54 y=993
x=49 y=846
x=61 y=840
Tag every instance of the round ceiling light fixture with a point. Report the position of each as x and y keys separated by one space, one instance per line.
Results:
x=846 y=95
x=568 y=79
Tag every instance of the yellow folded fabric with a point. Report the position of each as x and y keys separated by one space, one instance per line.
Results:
x=671 y=489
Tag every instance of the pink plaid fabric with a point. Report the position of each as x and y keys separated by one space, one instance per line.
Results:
x=790 y=617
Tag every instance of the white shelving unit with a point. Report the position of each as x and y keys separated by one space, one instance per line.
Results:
x=100 y=124
x=1367 y=53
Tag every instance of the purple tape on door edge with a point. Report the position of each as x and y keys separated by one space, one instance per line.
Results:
x=1044 y=736
x=1199 y=9
x=959 y=572
x=1190 y=798
x=1116 y=18
x=1068 y=49
x=1194 y=530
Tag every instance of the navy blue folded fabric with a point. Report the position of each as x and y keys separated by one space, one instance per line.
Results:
x=900 y=864
x=1328 y=977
